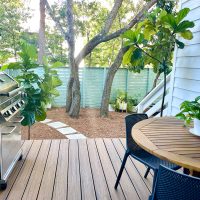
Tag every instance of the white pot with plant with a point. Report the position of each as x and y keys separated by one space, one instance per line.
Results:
x=190 y=110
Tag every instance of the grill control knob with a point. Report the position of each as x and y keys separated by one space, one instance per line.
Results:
x=10 y=113
x=22 y=102
x=6 y=114
x=18 y=105
x=13 y=109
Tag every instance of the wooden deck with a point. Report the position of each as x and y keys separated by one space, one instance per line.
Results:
x=76 y=169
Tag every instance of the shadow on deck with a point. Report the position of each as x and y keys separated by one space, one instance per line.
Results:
x=76 y=169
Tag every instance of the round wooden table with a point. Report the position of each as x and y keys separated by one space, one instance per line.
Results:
x=168 y=139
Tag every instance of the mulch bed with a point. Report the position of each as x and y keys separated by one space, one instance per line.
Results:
x=89 y=123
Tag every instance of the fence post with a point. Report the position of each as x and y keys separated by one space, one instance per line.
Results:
x=104 y=76
x=83 y=86
x=147 y=86
x=127 y=80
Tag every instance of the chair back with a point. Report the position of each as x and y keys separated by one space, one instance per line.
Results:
x=171 y=185
x=130 y=121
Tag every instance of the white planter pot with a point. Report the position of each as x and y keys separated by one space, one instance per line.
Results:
x=110 y=108
x=197 y=126
x=123 y=106
x=48 y=106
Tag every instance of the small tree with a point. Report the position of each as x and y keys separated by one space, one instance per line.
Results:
x=35 y=87
x=153 y=41
x=105 y=34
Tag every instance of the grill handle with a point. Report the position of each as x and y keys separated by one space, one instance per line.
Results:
x=8 y=130
x=17 y=119
x=13 y=92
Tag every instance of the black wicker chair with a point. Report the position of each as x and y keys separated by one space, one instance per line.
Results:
x=151 y=161
x=171 y=185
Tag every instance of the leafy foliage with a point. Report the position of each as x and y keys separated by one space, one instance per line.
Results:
x=122 y=99
x=89 y=17
x=39 y=91
x=12 y=15
x=152 y=41
x=190 y=110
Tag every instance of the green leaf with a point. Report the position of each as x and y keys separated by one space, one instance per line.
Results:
x=29 y=118
x=137 y=54
x=40 y=114
x=182 y=14
x=57 y=65
x=149 y=32
x=56 y=81
x=15 y=65
x=54 y=92
x=127 y=55
x=129 y=35
x=180 y=44
x=181 y=116
x=170 y=20
x=183 y=26
x=197 y=98
x=128 y=43
x=187 y=35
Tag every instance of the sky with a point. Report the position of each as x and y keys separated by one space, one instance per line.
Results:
x=33 y=24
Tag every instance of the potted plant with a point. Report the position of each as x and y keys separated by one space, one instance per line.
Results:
x=121 y=102
x=190 y=110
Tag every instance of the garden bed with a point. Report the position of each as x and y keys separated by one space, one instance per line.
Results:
x=89 y=123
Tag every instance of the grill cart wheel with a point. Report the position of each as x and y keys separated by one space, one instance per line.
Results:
x=3 y=185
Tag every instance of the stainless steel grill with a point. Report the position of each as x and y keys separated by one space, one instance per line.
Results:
x=10 y=126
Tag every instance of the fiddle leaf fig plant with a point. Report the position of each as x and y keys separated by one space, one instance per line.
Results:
x=153 y=40
x=190 y=110
x=50 y=82
x=39 y=90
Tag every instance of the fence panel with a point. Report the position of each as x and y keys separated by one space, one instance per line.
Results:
x=137 y=85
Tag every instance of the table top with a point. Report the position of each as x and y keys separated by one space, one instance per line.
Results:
x=168 y=138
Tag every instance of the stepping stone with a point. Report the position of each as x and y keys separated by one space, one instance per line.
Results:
x=46 y=121
x=57 y=124
x=75 y=136
x=67 y=130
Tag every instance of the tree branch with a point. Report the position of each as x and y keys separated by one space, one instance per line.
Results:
x=70 y=32
x=134 y=21
x=99 y=38
x=111 y=17
x=56 y=20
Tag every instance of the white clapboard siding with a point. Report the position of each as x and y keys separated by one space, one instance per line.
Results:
x=185 y=81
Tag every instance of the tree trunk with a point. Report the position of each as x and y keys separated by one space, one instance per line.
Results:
x=73 y=93
x=108 y=82
x=155 y=80
x=29 y=132
x=41 y=37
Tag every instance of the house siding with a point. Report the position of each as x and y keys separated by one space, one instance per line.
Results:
x=186 y=74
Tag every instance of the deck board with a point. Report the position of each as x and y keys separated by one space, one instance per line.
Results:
x=35 y=179
x=76 y=169
x=60 y=185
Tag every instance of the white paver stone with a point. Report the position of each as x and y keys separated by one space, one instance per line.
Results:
x=67 y=130
x=57 y=124
x=46 y=121
x=75 y=136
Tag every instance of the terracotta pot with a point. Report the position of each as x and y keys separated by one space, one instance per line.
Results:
x=197 y=126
